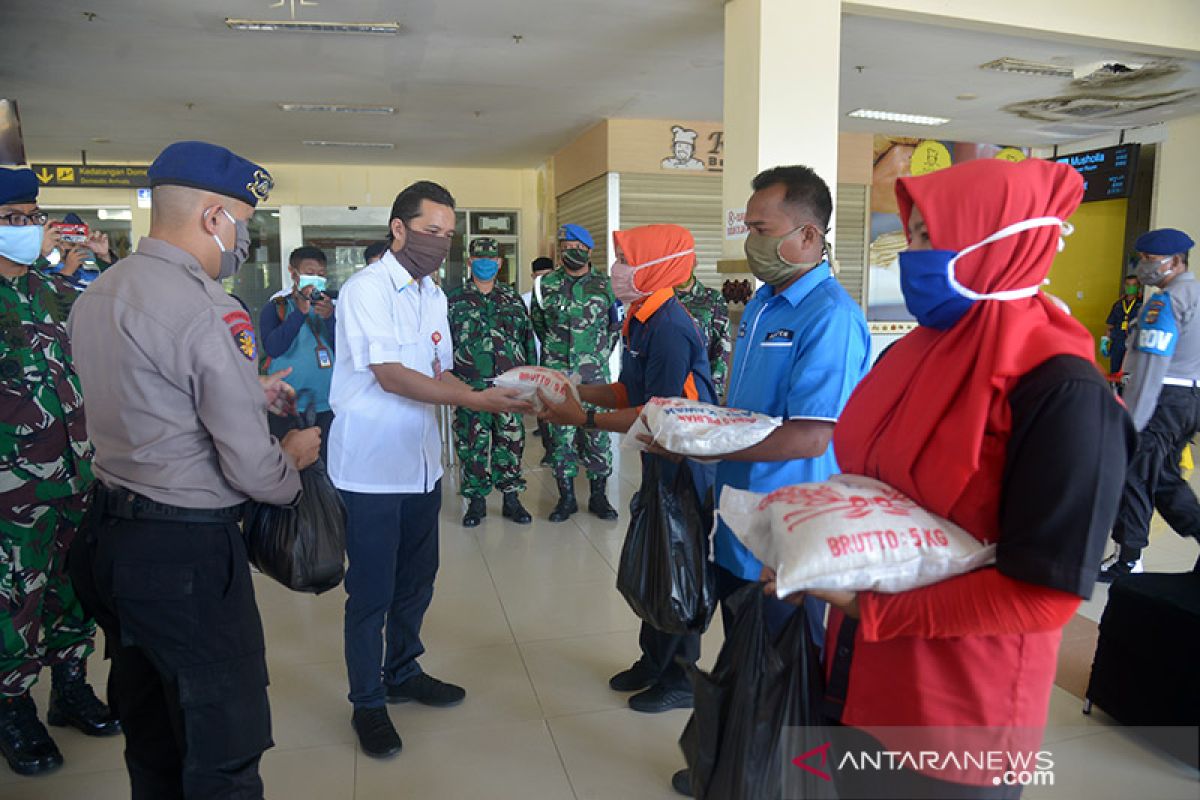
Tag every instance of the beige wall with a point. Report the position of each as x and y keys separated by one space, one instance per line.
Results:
x=581 y=160
x=1177 y=179
x=855 y=157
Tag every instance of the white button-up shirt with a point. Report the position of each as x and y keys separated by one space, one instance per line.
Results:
x=382 y=443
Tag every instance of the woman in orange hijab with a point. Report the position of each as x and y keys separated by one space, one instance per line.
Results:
x=665 y=356
x=992 y=414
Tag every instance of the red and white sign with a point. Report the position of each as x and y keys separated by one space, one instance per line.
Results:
x=735 y=224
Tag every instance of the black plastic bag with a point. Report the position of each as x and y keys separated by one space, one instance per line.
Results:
x=756 y=711
x=663 y=573
x=303 y=546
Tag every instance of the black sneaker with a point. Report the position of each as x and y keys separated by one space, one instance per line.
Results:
x=657 y=699
x=1115 y=567
x=376 y=734
x=639 y=676
x=681 y=782
x=426 y=690
x=476 y=511
x=24 y=740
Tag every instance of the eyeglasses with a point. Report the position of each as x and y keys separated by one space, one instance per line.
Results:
x=18 y=220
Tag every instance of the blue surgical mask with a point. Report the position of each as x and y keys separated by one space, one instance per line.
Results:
x=317 y=282
x=21 y=244
x=485 y=269
x=933 y=294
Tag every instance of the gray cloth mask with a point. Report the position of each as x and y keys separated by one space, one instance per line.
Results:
x=232 y=260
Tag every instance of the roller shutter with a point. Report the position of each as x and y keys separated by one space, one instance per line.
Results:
x=587 y=205
x=693 y=201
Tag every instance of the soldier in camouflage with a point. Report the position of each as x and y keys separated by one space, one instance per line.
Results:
x=578 y=320
x=492 y=334
x=711 y=313
x=45 y=474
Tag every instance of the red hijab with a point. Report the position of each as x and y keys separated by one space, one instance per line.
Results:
x=932 y=418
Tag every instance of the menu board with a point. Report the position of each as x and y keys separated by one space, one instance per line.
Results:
x=1108 y=173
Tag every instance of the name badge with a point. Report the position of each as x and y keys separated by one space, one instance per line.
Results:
x=324 y=359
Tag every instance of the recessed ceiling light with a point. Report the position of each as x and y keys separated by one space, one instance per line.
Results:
x=337 y=108
x=366 y=145
x=967 y=96
x=892 y=116
x=101 y=140
x=1021 y=66
x=297 y=26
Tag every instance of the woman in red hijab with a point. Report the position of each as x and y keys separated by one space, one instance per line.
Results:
x=991 y=414
x=665 y=356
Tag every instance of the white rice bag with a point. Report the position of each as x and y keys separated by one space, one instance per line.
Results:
x=527 y=380
x=850 y=533
x=700 y=430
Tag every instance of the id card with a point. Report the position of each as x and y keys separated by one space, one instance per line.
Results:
x=324 y=360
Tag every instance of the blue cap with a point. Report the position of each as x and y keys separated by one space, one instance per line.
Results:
x=211 y=168
x=18 y=186
x=1163 y=242
x=575 y=233
x=73 y=219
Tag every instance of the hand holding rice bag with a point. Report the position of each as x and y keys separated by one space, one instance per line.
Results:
x=527 y=380
x=702 y=430
x=849 y=533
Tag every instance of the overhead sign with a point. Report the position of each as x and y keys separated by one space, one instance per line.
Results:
x=1108 y=173
x=92 y=176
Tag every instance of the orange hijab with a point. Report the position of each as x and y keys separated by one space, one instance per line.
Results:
x=667 y=253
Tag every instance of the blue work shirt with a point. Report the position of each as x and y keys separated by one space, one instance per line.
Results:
x=666 y=356
x=797 y=355
x=293 y=342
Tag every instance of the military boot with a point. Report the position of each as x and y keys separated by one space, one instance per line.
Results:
x=514 y=510
x=598 y=502
x=476 y=511
x=72 y=702
x=567 y=504
x=24 y=740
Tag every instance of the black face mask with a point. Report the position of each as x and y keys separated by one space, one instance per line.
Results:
x=576 y=258
x=423 y=253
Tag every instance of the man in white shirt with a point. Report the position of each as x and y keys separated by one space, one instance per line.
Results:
x=392 y=368
x=540 y=268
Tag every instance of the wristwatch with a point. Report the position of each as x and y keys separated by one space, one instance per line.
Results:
x=590 y=424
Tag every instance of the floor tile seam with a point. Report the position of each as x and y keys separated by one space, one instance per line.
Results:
x=561 y=759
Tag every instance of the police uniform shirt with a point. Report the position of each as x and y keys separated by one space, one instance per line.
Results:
x=382 y=443
x=798 y=355
x=1163 y=346
x=167 y=361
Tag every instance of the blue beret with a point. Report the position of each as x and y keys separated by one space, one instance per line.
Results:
x=18 y=186
x=211 y=168
x=575 y=233
x=1163 y=242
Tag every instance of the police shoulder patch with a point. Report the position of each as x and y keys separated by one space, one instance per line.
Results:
x=243 y=333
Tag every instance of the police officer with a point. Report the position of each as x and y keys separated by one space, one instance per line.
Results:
x=176 y=412
x=578 y=321
x=45 y=472
x=492 y=334
x=711 y=313
x=1163 y=395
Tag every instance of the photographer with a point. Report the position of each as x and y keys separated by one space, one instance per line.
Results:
x=73 y=251
x=297 y=331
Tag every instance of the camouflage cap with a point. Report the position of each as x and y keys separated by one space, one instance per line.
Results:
x=485 y=248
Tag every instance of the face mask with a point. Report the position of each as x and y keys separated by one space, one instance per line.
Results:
x=576 y=258
x=424 y=253
x=623 y=276
x=317 y=282
x=1131 y=290
x=485 y=269
x=232 y=260
x=1148 y=271
x=934 y=295
x=762 y=253
x=21 y=244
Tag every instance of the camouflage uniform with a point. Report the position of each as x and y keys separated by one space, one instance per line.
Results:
x=45 y=473
x=711 y=313
x=491 y=334
x=578 y=321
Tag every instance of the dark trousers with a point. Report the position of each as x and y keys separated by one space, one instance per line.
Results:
x=1116 y=356
x=281 y=425
x=189 y=673
x=392 y=548
x=1153 y=480
x=667 y=653
x=777 y=611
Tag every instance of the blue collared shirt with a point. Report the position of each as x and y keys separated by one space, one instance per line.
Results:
x=797 y=355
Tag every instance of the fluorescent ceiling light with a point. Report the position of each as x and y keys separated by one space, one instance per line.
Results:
x=296 y=26
x=366 y=145
x=337 y=108
x=892 y=116
x=122 y=213
x=1020 y=66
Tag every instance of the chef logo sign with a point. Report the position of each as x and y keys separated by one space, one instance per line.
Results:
x=684 y=145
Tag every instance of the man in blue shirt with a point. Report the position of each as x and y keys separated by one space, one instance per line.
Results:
x=297 y=330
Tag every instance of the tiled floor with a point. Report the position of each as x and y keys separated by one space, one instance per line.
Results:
x=528 y=620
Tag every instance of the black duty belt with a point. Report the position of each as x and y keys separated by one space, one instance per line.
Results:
x=125 y=504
